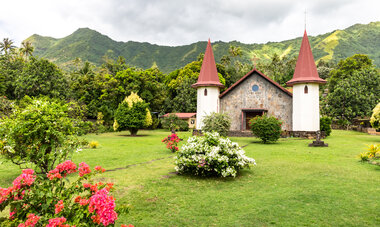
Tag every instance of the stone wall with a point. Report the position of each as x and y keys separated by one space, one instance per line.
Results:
x=268 y=97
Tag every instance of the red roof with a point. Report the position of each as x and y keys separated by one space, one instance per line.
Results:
x=182 y=115
x=208 y=75
x=260 y=74
x=306 y=71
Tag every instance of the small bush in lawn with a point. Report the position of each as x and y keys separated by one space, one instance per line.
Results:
x=45 y=200
x=267 y=128
x=171 y=122
x=211 y=155
x=172 y=142
x=325 y=124
x=93 y=144
x=217 y=122
x=372 y=155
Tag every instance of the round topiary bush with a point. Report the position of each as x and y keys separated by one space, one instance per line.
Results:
x=267 y=128
x=211 y=155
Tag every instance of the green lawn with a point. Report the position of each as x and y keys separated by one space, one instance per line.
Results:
x=292 y=184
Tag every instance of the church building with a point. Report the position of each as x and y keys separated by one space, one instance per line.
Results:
x=256 y=94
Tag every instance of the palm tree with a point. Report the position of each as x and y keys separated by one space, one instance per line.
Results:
x=235 y=51
x=26 y=48
x=6 y=46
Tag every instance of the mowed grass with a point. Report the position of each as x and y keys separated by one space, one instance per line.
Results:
x=292 y=184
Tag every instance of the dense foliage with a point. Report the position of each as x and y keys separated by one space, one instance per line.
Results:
x=325 y=125
x=267 y=128
x=354 y=89
x=53 y=200
x=217 y=122
x=41 y=134
x=99 y=89
x=211 y=155
x=132 y=114
x=174 y=123
x=375 y=118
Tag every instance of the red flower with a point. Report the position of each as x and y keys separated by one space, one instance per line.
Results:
x=59 y=206
x=84 y=202
x=99 y=169
x=31 y=221
x=104 y=207
x=84 y=169
x=56 y=222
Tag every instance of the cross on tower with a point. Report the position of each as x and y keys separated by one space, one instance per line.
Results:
x=254 y=59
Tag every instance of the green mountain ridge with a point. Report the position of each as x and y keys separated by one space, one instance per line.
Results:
x=90 y=45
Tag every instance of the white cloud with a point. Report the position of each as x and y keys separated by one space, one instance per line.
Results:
x=177 y=22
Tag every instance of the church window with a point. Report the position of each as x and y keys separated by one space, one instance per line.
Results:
x=255 y=88
x=306 y=89
x=205 y=92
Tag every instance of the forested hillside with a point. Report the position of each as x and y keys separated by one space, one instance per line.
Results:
x=90 y=45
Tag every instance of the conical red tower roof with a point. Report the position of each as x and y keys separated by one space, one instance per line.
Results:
x=208 y=75
x=306 y=71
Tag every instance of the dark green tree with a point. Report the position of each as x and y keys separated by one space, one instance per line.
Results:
x=41 y=77
x=347 y=67
x=354 y=95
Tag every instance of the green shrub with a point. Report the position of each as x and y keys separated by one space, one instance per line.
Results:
x=375 y=118
x=41 y=134
x=217 y=122
x=372 y=155
x=325 y=124
x=267 y=128
x=132 y=114
x=211 y=155
x=93 y=144
x=183 y=125
x=171 y=122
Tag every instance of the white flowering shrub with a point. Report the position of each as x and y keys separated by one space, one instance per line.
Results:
x=211 y=155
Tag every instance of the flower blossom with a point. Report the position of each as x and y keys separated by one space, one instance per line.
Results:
x=104 y=207
x=84 y=169
x=99 y=169
x=31 y=221
x=59 y=206
x=66 y=167
x=25 y=179
x=57 y=222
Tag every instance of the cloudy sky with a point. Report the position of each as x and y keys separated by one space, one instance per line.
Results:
x=178 y=22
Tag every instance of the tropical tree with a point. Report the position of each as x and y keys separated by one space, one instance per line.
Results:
x=41 y=77
x=354 y=89
x=26 y=49
x=6 y=46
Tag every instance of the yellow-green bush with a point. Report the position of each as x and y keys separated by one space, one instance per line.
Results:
x=93 y=144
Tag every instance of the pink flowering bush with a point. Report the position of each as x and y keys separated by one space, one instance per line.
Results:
x=171 y=142
x=52 y=200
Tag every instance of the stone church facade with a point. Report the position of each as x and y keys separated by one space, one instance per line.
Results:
x=256 y=94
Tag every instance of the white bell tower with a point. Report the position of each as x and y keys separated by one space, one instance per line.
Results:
x=208 y=87
x=305 y=84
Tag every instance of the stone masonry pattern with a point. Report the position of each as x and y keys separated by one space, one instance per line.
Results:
x=268 y=96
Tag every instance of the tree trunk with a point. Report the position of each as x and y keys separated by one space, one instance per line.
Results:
x=133 y=131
